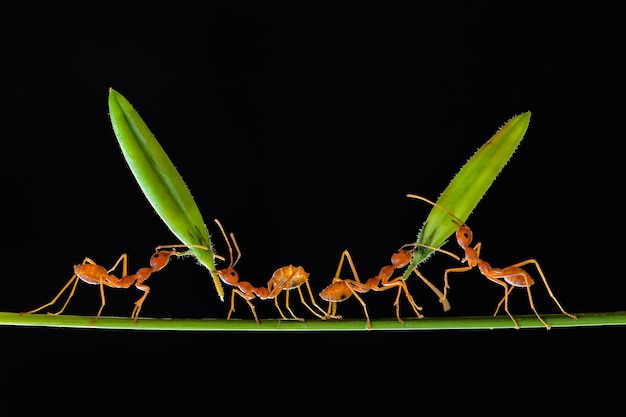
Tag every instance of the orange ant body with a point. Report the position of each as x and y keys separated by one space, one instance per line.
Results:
x=285 y=278
x=341 y=289
x=512 y=275
x=91 y=273
x=288 y=278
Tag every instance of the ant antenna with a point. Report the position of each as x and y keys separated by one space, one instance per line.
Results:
x=432 y=203
x=436 y=249
x=230 y=248
x=232 y=237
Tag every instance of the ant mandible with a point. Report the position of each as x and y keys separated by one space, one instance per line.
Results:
x=285 y=278
x=513 y=275
x=92 y=273
x=341 y=289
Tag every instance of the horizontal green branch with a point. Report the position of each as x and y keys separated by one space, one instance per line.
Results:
x=427 y=323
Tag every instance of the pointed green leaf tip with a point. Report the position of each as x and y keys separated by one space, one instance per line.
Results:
x=160 y=181
x=468 y=187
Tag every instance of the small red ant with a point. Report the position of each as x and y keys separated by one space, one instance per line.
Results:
x=341 y=289
x=285 y=278
x=513 y=275
x=230 y=277
x=91 y=273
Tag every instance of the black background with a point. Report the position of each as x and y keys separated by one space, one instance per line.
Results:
x=302 y=128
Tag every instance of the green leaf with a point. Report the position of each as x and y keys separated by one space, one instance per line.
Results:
x=468 y=187
x=160 y=182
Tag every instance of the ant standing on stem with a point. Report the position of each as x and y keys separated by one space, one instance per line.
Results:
x=285 y=278
x=94 y=274
x=513 y=275
x=341 y=289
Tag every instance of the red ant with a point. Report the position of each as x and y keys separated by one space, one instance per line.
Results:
x=94 y=274
x=285 y=278
x=341 y=289
x=513 y=275
x=230 y=277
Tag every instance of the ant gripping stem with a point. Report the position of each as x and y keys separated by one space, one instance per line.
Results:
x=285 y=279
x=341 y=289
x=91 y=273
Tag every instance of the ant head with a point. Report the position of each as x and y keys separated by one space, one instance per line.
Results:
x=402 y=257
x=464 y=235
x=228 y=275
x=160 y=259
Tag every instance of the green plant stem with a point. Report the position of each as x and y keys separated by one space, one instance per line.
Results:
x=428 y=323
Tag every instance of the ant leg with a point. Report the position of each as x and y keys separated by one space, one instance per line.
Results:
x=545 y=282
x=139 y=303
x=275 y=291
x=409 y=297
x=502 y=300
x=506 y=299
x=75 y=280
x=345 y=254
x=402 y=286
x=110 y=281
x=308 y=286
x=367 y=316
x=442 y=298
x=278 y=307
x=124 y=259
x=313 y=301
x=102 y=303
x=506 y=307
x=232 y=304
x=289 y=308
x=512 y=272
x=332 y=310
x=396 y=304
x=446 y=285
x=532 y=305
x=242 y=295
x=398 y=282
x=68 y=297
x=350 y=284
